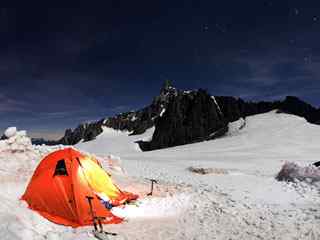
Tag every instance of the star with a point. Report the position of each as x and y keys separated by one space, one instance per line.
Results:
x=205 y=27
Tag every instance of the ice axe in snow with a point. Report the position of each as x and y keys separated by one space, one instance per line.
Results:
x=94 y=218
x=98 y=234
x=151 y=190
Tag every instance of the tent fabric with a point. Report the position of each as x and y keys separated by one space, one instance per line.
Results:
x=61 y=183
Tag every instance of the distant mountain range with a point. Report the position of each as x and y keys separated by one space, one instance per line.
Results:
x=182 y=117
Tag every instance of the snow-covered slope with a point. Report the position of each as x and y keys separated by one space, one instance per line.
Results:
x=252 y=153
x=261 y=143
x=115 y=142
x=240 y=199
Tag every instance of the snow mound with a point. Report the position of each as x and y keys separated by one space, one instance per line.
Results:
x=18 y=157
x=10 y=132
x=236 y=126
x=17 y=141
x=292 y=172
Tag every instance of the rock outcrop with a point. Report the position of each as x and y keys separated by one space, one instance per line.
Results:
x=234 y=108
x=189 y=117
x=294 y=105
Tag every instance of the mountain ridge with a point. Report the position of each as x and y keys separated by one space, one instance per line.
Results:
x=182 y=117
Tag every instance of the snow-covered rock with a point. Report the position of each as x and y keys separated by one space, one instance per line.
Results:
x=235 y=127
x=293 y=172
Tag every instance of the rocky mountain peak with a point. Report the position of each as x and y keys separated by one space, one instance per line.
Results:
x=135 y=122
x=167 y=92
x=190 y=117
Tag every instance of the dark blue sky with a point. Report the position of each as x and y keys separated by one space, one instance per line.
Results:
x=63 y=66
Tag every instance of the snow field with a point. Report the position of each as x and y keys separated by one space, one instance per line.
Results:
x=246 y=203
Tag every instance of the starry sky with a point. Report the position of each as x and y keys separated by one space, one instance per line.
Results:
x=60 y=66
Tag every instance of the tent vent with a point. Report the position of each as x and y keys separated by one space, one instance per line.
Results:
x=61 y=169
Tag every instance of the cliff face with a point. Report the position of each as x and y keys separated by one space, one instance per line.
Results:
x=85 y=131
x=235 y=108
x=182 y=117
x=189 y=117
x=294 y=105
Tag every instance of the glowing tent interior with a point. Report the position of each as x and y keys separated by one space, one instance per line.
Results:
x=62 y=183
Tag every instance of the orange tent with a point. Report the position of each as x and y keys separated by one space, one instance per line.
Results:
x=63 y=181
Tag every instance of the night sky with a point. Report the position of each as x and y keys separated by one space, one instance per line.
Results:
x=63 y=66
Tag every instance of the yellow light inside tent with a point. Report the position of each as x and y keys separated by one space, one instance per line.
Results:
x=98 y=179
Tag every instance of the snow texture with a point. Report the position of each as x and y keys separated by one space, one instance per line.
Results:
x=215 y=101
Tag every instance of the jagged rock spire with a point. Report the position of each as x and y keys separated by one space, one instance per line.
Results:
x=167 y=84
x=166 y=87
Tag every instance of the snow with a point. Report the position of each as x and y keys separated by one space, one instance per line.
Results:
x=162 y=112
x=10 y=132
x=115 y=142
x=18 y=158
x=250 y=203
x=214 y=99
x=246 y=202
x=157 y=207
